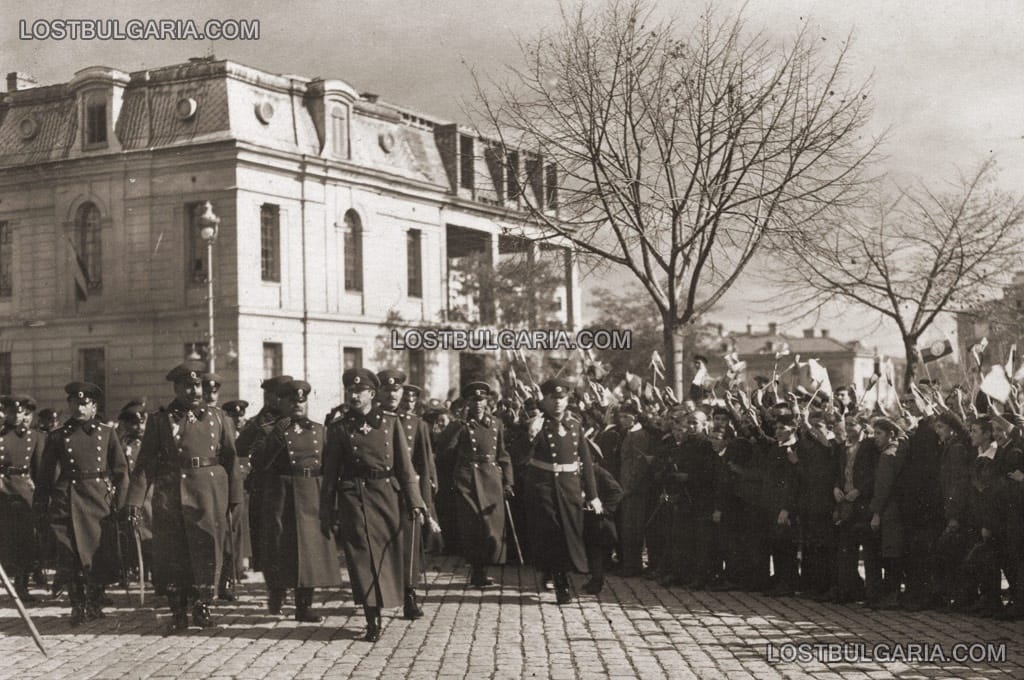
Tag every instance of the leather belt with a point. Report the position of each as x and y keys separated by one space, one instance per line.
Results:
x=555 y=467
x=78 y=476
x=15 y=471
x=372 y=474
x=199 y=462
x=305 y=472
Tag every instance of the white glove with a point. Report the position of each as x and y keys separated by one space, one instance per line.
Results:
x=595 y=505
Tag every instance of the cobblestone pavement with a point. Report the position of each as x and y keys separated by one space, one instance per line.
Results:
x=633 y=629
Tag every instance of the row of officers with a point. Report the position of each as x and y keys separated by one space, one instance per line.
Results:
x=198 y=491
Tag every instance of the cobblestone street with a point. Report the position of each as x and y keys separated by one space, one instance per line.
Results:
x=634 y=629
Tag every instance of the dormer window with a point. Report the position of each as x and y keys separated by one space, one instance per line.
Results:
x=95 y=121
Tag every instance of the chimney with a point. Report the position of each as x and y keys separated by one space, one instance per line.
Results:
x=20 y=81
x=808 y=332
x=773 y=328
x=750 y=329
x=721 y=329
x=369 y=97
x=824 y=332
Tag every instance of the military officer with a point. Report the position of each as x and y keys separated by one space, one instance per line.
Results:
x=367 y=474
x=236 y=411
x=559 y=480
x=82 y=481
x=256 y=429
x=131 y=425
x=412 y=413
x=21 y=451
x=211 y=388
x=47 y=421
x=483 y=479
x=188 y=456
x=417 y=439
x=287 y=469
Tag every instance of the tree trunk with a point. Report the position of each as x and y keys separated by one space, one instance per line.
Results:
x=913 y=359
x=672 y=340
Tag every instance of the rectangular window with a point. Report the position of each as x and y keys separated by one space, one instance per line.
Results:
x=273 y=359
x=5 y=373
x=496 y=167
x=195 y=247
x=417 y=367
x=353 y=258
x=93 y=365
x=512 y=169
x=339 y=130
x=466 y=162
x=96 y=123
x=551 y=185
x=270 y=242
x=352 y=357
x=415 y=262
x=6 y=261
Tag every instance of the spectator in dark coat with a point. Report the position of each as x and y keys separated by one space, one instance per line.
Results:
x=853 y=491
x=599 y=530
x=885 y=511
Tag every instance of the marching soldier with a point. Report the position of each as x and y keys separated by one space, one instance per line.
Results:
x=559 y=480
x=21 y=451
x=421 y=448
x=82 y=481
x=188 y=456
x=287 y=470
x=236 y=411
x=249 y=439
x=131 y=424
x=367 y=474
x=417 y=439
x=47 y=421
x=236 y=548
x=483 y=479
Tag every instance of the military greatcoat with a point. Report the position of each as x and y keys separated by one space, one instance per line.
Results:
x=287 y=470
x=21 y=452
x=82 y=481
x=367 y=469
x=421 y=452
x=188 y=456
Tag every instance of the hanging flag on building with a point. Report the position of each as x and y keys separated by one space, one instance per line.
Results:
x=78 y=272
x=936 y=350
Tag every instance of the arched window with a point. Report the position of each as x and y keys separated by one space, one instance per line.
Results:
x=353 y=251
x=89 y=245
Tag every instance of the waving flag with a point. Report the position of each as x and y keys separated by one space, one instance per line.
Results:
x=936 y=351
x=819 y=377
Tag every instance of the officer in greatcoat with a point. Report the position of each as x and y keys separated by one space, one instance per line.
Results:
x=21 y=452
x=421 y=448
x=81 y=484
x=483 y=479
x=559 y=481
x=367 y=473
x=131 y=425
x=249 y=439
x=287 y=470
x=188 y=456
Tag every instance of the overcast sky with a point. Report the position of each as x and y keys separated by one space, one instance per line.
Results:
x=947 y=75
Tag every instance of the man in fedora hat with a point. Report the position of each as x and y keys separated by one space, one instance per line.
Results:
x=188 y=457
x=82 y=482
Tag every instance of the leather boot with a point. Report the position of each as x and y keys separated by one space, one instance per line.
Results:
x=76 y=591
x=226 y=591
x=201 y=615
x=21 y=588
x=411 y=609
x=179 y=611
x=562 y=594
x=479 y=579
x=94 y=607
x=304 y=607
x=275 y=600
x=373 y=624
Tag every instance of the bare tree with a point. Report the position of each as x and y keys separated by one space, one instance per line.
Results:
x=917 y=254
x=680 y=153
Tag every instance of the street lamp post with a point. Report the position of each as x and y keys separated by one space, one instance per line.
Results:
x=208 y=224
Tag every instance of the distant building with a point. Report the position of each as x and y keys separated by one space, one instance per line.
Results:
x=1000 y=321
x=341 y=216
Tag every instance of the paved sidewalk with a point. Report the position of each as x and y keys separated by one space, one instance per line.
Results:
x=634 y=629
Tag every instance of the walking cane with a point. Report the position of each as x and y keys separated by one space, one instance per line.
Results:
x=515 y=535
x=21 y=610
x=412 y=554
x=142 y=569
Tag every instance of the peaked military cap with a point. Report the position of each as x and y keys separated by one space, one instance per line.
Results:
x=133 y=410
x=476 y=390
x=390 y=378
x=274 y=384
x=213 y=378
x=25 y=401
x=48 y=414
x=83 y=390
x=297 y=389
x=189 y=372
x=236 y=407
x=414 y=389
x=360 y=379
x=556 y=387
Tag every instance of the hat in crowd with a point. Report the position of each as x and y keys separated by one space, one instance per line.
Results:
x=236 y=407
x=413 y=389
x=360 y=379
x=22 y=401
x=294 y=389
x=188 y=372
x=83 y=390
x=556 y=387
x=274 y=384
x=212 y=379
x=629 y=408
x=700 y=357
x=530 y=404
x=48 y=414
x=133 y=410
x=476 y=391
x=391 y=378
